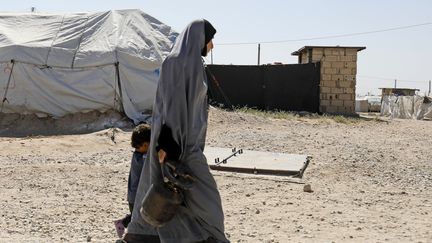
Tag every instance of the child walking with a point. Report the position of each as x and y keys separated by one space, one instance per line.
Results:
x=140 y=140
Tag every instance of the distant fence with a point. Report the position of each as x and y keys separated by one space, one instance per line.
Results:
x=292 y=87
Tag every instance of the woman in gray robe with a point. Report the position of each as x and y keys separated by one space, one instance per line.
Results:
x=178 y=132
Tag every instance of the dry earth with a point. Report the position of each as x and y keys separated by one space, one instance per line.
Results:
x=371 y=182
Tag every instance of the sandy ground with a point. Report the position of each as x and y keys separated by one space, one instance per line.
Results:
x=371 y=182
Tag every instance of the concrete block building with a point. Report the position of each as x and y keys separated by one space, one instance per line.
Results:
x=338 y=75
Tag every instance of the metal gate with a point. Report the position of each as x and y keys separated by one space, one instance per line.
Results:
x=292 y=87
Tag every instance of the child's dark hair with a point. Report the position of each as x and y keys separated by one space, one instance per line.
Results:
x=140 y=135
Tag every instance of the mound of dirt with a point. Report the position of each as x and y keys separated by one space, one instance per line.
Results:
x=18 y=125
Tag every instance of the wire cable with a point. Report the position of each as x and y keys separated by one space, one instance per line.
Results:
x=392 y=79
x=327 y=37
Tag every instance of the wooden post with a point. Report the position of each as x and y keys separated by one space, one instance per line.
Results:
x=429 y=93
x=259 y=53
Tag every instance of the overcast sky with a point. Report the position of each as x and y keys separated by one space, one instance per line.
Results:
x=404 y=54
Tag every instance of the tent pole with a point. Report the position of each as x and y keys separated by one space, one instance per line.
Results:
x=7 y=86
x=119 y=85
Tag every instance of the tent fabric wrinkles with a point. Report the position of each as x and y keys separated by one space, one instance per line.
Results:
x=67 y=63
x=407 y=107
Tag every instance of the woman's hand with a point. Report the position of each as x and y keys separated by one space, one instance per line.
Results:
x=162 y=155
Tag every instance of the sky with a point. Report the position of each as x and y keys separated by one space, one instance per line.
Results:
x=404 y=55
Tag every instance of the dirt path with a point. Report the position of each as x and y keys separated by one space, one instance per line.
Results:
x=372 y=182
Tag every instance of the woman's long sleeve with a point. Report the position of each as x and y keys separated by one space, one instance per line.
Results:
x=168 y=144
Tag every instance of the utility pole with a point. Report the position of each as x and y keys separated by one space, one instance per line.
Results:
x=259 y=53
x=429 y=93
x=211 y=56
x=395 y=83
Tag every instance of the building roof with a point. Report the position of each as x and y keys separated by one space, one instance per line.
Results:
x=304 y=48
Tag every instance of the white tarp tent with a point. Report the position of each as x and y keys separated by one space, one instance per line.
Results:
x=361 y=105
x=407 y=107
x=58 y=64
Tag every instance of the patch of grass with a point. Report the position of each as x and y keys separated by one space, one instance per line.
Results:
x=286 y=115
x=282 y=115
x=269 y=114
x=344 y=120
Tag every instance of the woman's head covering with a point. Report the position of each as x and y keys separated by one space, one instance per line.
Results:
x=209 y=32
x=192 y=41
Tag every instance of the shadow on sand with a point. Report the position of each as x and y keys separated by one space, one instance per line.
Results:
x=18 y=125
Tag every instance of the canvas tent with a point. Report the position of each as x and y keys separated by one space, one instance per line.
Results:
x=407 y=107
x=58 y=64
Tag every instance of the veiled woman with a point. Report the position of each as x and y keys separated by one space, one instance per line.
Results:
x=178 y=133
